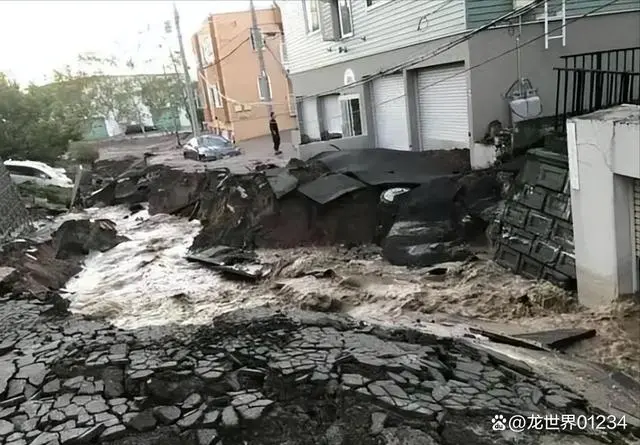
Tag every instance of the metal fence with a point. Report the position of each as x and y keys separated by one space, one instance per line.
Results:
x=596 y=80
x=14 y=218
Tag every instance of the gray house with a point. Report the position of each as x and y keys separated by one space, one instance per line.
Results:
x=442 y=83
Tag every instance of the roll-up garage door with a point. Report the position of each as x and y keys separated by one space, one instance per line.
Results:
x=310 y=118
x=390 y=113
x=332 y=113
x=443 y=108
x=636 y=213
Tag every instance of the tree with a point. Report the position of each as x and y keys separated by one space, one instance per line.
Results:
x=110 y=96
x=30 y=127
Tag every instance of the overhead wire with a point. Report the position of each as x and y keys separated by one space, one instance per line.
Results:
x=498 y=56
x=230 y=99
x=423 y=58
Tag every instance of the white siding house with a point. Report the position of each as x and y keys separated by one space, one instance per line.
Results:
x=313 y=28
x=333 y=45
x=411 y=74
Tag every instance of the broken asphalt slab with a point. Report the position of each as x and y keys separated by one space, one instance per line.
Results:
x=270 y=378
x=388 y=167
x=330 y=187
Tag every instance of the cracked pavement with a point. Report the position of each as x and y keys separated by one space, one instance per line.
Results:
x=259 y=377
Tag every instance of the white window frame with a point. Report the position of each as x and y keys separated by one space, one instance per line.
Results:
x=206 y=45
x=253 y=42
x=348 y=120
x=283 y=60
x=307 y=16
x=268 y=83
x=342 y=34
x=216 y=98
x=376 y=4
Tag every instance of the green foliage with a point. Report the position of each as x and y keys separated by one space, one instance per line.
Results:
x=84 y=152
x=159 y=92
x=30 y=126
x=39 y=122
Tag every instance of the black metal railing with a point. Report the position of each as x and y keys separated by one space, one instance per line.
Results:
x=596 y=80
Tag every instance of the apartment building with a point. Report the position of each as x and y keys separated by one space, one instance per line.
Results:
x=402 y=75
x=233 y=91
x=145 y=112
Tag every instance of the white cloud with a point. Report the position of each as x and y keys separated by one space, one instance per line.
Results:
x=40 y=36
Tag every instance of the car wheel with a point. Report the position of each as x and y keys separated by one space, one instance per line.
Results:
x=200 y=158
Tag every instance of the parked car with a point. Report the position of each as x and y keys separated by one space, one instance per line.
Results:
x=209 y=147
x=38 y=173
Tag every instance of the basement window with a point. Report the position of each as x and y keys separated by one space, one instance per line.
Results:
x=351 y=115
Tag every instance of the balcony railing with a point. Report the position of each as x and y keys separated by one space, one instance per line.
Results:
x=596 y=80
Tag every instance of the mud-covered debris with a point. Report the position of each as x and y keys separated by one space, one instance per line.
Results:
x=238 y=263
x=8 y=277
x=79 y=237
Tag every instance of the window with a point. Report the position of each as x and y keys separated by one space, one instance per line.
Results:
x=344 y=15
x=375 y=3
x=20 y=170
x=206 y=51
x=351 y=116
x=216 y=99
x=252 y=35
x=264 y=87
x=311 y=15
x=284 y=56
x=337 y=19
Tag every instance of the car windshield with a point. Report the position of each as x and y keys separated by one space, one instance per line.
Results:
x=214 y=142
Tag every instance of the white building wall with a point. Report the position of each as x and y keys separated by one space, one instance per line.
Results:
x=387 y=25
x=604 y=159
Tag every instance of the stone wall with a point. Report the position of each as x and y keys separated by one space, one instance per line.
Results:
x=13 y=214
x=536 y=233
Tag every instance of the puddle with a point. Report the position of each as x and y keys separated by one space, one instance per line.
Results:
x=146 y=281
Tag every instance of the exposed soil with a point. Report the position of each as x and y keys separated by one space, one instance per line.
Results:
x=478 y=293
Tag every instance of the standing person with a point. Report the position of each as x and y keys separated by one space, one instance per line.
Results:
x=275 y=133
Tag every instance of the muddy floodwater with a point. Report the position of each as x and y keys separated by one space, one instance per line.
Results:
x=147 y=281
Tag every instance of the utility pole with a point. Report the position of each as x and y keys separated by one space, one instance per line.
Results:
x=256 y=34
x=195 y=128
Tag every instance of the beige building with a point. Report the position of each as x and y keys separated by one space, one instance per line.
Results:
x=229 y=86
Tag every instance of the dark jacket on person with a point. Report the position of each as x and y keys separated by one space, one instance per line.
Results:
x=273 y=127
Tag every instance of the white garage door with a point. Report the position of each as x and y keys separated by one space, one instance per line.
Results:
x=636 y=215
x=310 y=118
x=443 y=108
x=332 y=113
x=390 y=113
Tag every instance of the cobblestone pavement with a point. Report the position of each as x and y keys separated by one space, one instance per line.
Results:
x=262 y=378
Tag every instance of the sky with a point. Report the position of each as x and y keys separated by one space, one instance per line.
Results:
x=37 y=37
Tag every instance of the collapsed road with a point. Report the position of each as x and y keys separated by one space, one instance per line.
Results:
x=143 y=361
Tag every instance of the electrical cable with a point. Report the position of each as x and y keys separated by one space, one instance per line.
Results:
x=414 y=61
x=509 y=51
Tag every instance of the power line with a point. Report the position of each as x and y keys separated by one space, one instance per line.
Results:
x=509 y=51
x=415 y=60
